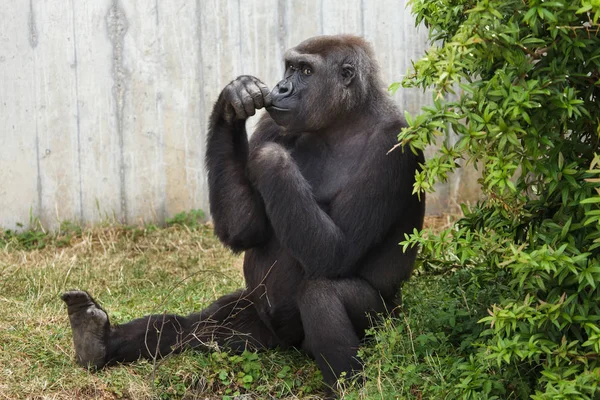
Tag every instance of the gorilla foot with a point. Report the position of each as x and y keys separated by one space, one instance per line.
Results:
x=90 y=326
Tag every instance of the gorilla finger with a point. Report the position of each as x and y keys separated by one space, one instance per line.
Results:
x=256 y=95
x=264 y=90
x=238 y=106
x=248 y=103
x=267 y=100
x=232 y=99
x=229 y=93
x=266 y=93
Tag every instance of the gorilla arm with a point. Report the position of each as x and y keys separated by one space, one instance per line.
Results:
x=237 y=210
x=360 y=215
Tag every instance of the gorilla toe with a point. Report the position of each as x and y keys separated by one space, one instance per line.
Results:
x=90 y=326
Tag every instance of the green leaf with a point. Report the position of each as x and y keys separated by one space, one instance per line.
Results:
x=393 y=88
x=590 y=200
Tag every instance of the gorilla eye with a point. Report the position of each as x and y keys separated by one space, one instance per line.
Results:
x=307 y=71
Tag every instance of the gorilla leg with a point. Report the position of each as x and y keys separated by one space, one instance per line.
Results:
x=335 y=314
x=231 y=321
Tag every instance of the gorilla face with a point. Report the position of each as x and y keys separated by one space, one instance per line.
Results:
x=310 y=92
x=290 y=97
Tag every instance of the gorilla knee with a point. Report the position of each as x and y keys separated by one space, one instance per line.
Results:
x=273 y=155
x=268 y=159
x=318 y=291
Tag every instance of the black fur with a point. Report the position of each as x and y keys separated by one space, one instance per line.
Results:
x=317 y=204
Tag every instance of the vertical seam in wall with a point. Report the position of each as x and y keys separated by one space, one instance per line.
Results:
x=162 y=191
x=33 y=34
x=39 y=172
x=403 y=56
x=116 y=24
x=362 y=17
x=281 y=12
x=78 y=112
x=322 y=13
x=241 y=55
x=200 y=77
x=156 y=16
x=33 y=42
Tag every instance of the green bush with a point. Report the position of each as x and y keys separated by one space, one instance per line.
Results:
x=519 y=83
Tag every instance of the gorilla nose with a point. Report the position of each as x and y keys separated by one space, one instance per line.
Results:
x=283 y=89
x=280 y=95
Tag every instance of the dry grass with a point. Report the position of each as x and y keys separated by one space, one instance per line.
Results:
x=131 y=273
x=439 y=222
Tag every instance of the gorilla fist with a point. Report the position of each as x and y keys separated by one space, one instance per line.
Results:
x=243 y=96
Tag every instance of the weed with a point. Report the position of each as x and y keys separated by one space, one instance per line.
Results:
x=192 y=219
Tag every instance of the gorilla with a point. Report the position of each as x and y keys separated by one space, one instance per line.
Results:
x=317 y=203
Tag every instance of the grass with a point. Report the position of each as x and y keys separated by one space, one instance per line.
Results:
x=137 y=271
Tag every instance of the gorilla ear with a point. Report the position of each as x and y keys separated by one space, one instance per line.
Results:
x=348 y=73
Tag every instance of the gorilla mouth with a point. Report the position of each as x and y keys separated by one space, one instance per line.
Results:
x=282 y=116
x=275 y=108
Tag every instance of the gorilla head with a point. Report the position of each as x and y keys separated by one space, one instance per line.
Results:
x=324 y=76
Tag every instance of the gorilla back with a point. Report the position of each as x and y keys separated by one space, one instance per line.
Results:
x=315 y=201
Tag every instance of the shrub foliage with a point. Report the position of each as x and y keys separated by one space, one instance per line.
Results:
x=518 y=82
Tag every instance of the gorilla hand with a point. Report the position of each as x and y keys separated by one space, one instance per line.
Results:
x=243 y=96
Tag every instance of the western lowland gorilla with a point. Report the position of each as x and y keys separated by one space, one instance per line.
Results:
x=316 y=202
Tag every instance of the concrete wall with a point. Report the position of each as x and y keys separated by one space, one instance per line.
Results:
x=104 y=103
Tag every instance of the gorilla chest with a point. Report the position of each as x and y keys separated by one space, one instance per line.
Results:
x=327 y=172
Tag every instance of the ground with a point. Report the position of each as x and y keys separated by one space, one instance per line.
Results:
x=137 y=271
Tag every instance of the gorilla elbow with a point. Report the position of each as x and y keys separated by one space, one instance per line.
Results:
x=239 y=240
x=237 y=244
x=226 y=240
